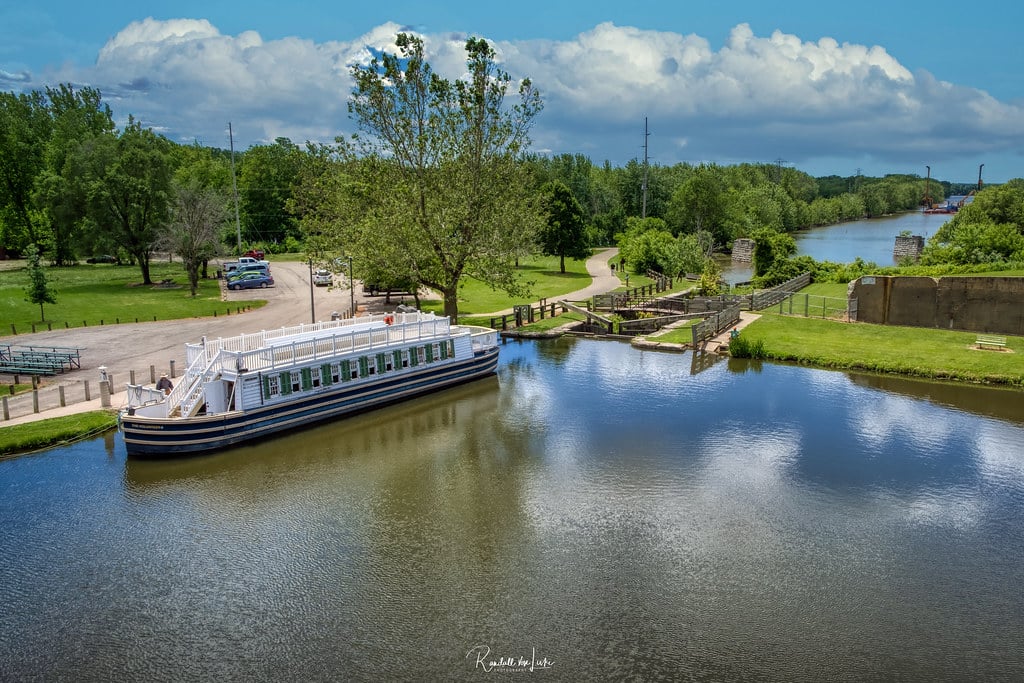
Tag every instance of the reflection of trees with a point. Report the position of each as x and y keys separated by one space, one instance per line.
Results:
x=277 y=463
x=555 y=350
x=1003 y=404
x=742 y=365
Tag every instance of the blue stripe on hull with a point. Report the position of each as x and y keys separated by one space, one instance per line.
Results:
x=177 y=436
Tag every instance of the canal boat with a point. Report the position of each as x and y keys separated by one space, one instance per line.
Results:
x=253 y=385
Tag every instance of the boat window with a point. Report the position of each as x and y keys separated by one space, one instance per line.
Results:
x=271 y=386
x=421 y=354
x=335 y=373
x=296 y=380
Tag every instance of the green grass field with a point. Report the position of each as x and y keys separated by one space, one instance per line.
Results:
x=541 y=273
x=87 y=294
x=919 y=352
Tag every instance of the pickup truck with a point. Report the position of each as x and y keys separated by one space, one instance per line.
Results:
x=231 y=266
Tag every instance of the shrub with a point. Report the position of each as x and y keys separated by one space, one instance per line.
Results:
x=742 y=347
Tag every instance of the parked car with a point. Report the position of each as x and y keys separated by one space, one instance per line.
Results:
x=322 y=277
x=246 y=270
x=255 y=253
x=105 y=258
x=251 y=281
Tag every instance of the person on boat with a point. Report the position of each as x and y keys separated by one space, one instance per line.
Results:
x=164 y=384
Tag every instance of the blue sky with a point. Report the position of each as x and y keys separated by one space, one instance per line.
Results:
x=827 y=87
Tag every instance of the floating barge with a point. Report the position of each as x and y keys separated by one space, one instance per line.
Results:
x=248 y=387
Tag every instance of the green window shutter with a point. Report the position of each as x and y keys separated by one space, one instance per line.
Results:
x=286 y=383
x=346 y=371
x=364 y=366
x=266 y=387
x=325 y=374
x=382 y=363
x=444 y=350
x=398 y=359
x=307 y=379
x=413 y=357
x=451 y=348
x=430 y=353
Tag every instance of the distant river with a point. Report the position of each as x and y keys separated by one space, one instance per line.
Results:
x=592 y=513
x=871 y=239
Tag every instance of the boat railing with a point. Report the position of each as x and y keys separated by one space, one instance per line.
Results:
x=196 y=356
x=194 y=396
x=375 y=333
x=139 y=395
x=255 y=341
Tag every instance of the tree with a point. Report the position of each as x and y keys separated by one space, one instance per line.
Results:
x=38 y=289
x=193 y=231
x=130 y=190
x=77 y=117
x=439 y=192
x=771 y=248
x=267 y=174
x=24 y=130
x=566 y=232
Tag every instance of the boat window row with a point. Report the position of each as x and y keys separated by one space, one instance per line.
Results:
x=309 y=378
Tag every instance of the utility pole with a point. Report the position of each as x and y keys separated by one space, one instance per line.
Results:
x=643 y=210
x=928 y=189
x=234 y=185
x=979 y=176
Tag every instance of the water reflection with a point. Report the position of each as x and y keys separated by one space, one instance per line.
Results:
x=599 y=505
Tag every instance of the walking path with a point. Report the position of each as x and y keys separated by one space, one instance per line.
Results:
x=602 y=281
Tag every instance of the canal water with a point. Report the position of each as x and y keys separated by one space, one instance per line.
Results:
x=593 y=512
x=870 y=239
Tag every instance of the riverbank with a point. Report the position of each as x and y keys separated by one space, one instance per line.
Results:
x=947 y=355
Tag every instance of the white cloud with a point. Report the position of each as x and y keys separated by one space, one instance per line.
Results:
x=754 y=99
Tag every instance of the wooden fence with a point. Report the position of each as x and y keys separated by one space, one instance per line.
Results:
x=526 y=314
x=714 y=324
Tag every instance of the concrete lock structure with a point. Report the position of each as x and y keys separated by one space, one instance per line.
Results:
x=975 y=304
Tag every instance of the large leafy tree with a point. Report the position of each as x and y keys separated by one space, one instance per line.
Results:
x=24 y=130
x=565 y=233
x=439 y=192
x=266 y=179
x=193 y=231
x=988 y=230
x=130 y=190
x=78 y=116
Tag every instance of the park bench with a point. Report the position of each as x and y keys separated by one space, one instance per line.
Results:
x=990 y=341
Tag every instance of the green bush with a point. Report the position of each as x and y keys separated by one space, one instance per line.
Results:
x=741 y=347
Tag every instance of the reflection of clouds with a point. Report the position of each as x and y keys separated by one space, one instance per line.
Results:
x=751 y=454
x=878 y=419
x=952 y=509
x=1000 y=453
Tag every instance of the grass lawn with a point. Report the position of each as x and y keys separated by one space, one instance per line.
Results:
x=677 y=335
x=52 y=432
x=87 y=294
x=919 y=352
x=541 y=273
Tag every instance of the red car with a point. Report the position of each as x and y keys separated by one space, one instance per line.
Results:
x=255 y=253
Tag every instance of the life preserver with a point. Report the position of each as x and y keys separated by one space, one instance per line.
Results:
x=388 y=319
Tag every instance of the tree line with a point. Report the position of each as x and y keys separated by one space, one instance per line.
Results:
x=438 y=185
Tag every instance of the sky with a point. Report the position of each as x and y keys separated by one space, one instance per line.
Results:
x=827 y=88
